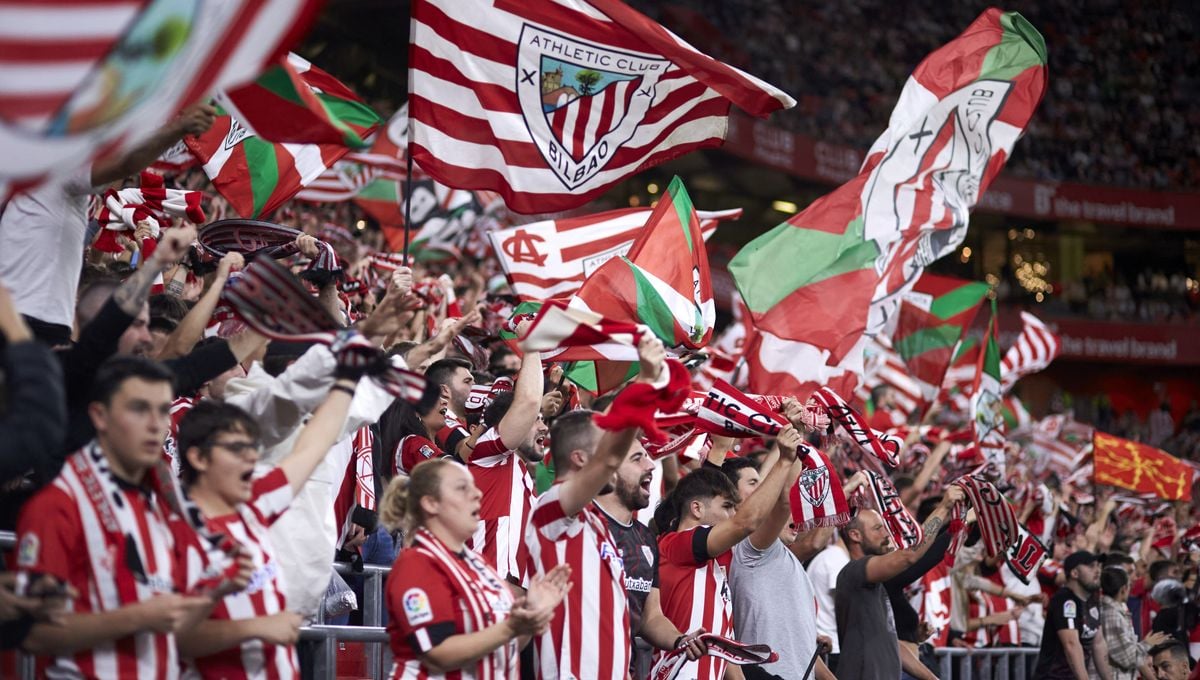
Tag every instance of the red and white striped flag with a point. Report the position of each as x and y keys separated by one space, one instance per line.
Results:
x=340 y=182
x=1033 y=351
x=882 y=366
x=550 y=259
x=550 y=104
x=81 y=82
x=817 y=499
x=571 y=334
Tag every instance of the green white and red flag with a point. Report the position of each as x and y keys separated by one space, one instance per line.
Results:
x=294 y=101
x=816 y=283
x=932 y=318
x=664 y=281
x=987 y=401
x=254 y=175
x=564 y=333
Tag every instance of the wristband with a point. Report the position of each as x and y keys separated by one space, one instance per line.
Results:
x=338 y=387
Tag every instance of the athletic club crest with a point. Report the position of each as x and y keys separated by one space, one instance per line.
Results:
x=581 y=101
x=814 y=485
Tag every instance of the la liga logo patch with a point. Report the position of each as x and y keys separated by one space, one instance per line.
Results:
x=416 y=607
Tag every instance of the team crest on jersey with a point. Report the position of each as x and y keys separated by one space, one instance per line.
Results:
x=416 y=607
x=581 y=101
x=648 y=554
x=27 y=551
x=814 y=485
x=1069 y=610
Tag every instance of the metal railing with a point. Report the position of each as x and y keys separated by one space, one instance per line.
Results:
x=987 y=663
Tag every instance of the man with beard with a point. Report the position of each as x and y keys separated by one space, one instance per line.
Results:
x=512 y=425
x=638 y=549
x=1072 y=639
x=866 y=625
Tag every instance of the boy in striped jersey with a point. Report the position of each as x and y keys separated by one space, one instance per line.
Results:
x=589 y=636
x=251 y=633
x=699 y=524
x=103 y=529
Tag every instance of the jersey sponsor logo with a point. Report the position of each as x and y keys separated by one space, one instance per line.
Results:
x=426 y=451
x=27 y=551
x=637 y=585
x=416 y=607
x=608 y=552
x=1069 y=609
x=261 y=578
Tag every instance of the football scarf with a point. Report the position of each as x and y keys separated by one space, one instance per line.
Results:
x=274 y=303
x=738 y=653
x=900 y=522
x=727 y=412
x=885 y=447
x=122 y=209
x=997 y=521
x=636 y=405
x=1026 y=554
x=817 y=499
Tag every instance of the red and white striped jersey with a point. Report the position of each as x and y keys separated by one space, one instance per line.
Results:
x=589 y=636
x=358 y=484
x=62 y=534
x=694 y=592
x=270 y=497
x=433 y=594
x=508 y=495
x=411 y=450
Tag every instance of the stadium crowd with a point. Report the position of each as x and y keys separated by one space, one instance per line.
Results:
x=180 y=486
x=1121 y=109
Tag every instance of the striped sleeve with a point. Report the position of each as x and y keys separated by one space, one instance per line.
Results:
x=490 y=450
x=270 y=496
x=548 y=517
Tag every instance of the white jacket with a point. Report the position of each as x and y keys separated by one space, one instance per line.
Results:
x=304 y=538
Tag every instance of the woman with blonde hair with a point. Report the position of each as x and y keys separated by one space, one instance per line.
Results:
x=449 y=613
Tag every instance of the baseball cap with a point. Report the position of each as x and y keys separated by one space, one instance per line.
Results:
x=1078 y=558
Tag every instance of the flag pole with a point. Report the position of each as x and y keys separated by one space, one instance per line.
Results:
x=407 y=200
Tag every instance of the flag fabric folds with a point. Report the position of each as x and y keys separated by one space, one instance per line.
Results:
x=553 y=103
x=571 y=334
x=866 y=244
x=84 y=83
x=931 y=321
x=294 y=101
x=1140 y=467
x=551 y=259
x=664 y=281
x=1033 y=351
x=987 y=401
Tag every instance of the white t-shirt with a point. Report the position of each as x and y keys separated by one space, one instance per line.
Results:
x=823 y=572
x=41 y=247
x=1033 y=619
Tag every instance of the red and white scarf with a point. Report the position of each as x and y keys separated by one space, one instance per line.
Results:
x=475 y=587
x=1026 y=555
x=997 y=521
x=904 y=527
x=122 y=210
x=817 y=499
x=636 y=405
x=737 y=653
x=885 y=447
x=727 y=412
x=272 y=302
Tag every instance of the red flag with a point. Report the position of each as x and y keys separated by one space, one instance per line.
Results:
x=1140 y=467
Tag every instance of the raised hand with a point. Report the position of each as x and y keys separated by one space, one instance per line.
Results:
x=789 y=441
x=230 y=262
x=307 y=245
x=173 y=246
x=196 y=119
x=652 y=357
